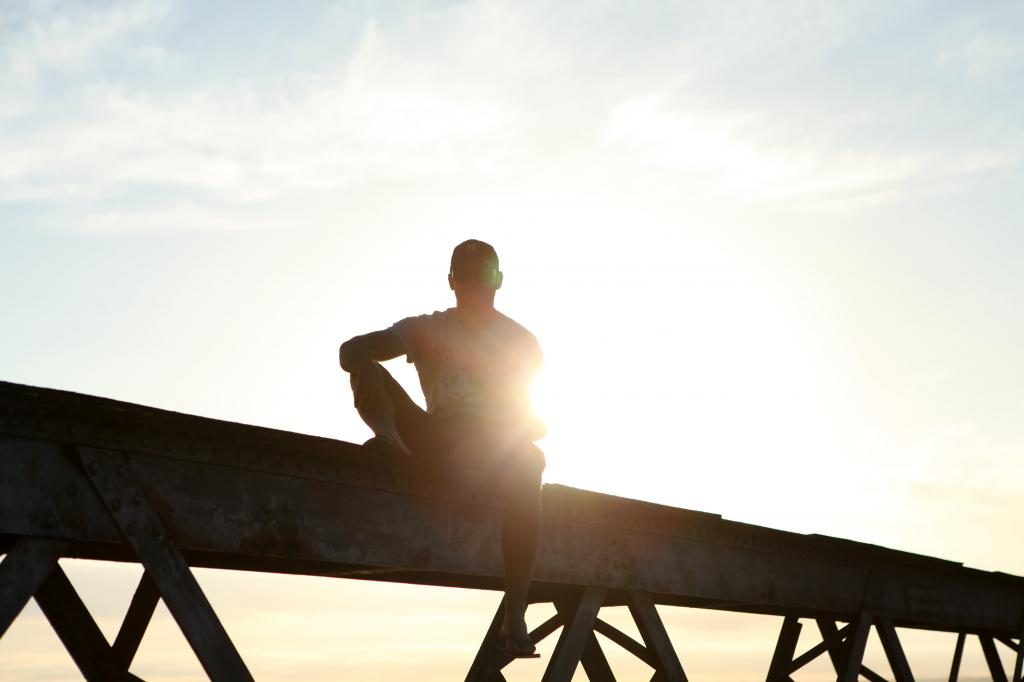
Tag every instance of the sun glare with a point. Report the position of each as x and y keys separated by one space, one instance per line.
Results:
x=726 y=400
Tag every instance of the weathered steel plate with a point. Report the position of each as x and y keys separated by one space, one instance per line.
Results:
x=251 y=498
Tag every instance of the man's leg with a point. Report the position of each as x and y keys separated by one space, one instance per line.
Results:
x=386 y=408
x=520 y=539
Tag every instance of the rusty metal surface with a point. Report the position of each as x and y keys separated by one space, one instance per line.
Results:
x=246 y=497
x=113 y=478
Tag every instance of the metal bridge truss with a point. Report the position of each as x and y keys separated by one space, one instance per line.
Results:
x=83 y=477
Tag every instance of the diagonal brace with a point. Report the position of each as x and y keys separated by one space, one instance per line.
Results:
x=136 y=621
x=838 y=647
x=818 y=649
x=625 y=641
x=655 y=637
x=111 y=475
x=77 y=630
x=26 y=566
x=785 y=647
x=579 y=628
x=593 y=659
x=958 y=653
x=995 y=664
x=894 y=650
x=490 y=660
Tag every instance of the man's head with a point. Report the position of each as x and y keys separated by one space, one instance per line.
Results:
x=474 y=275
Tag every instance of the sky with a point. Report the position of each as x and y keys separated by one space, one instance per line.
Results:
x=770 y=251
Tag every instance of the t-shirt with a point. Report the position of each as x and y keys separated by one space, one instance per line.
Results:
x=482 y=373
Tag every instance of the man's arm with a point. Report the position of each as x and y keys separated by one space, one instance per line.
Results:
x=366 y=348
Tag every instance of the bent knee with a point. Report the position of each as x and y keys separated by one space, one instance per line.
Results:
x=529 y=463
x=535 y=456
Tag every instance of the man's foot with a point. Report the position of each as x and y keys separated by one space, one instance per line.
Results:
x=514 y=641
x=517 y=647
x=384 y=446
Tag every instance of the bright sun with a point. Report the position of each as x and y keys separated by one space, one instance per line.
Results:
x=699 y=409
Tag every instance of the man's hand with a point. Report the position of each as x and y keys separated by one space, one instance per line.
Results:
x=355 y=353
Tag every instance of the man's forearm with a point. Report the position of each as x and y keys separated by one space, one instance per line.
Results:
x=360 y=351
x=355 y=353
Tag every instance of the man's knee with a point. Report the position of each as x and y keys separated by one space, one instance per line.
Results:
x=364 y=373
x=375 y=377
x=526 y=469
x=533 y=460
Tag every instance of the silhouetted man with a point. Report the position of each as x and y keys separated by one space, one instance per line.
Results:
x=474 y=365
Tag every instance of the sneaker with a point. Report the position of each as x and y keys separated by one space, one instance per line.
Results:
x=384 y=446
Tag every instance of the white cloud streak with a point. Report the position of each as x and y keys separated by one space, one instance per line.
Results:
x=491 y=92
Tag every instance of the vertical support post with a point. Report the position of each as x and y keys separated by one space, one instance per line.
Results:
x=853 y=652
x=136 y=621
x=995 y=664
x=1019 y=663
x=894 y=650
x=490 y=659
x=958 y=654
x=593 y=659
x=485 y=666
x=26 y=566
x=574 y=636
x=833 y=640
x=785 y=649
x=653 y=632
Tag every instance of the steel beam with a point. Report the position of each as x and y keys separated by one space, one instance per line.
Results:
x=241 y=517
x=893 y=650
x=546 y=628
x=838 y=643
x=785 y=649
x=820 y=648
x=958 y=654
x=1018 y=664
x=853 y=651
x=77 y=630
x=681 y=556
x=579 y=628
x=240 y=497
x=832 y=640
x=625 y=641
x=112 y=476
x=23 y=570
x=136 y=621
x=486 y=665
x=490 y=660
x=593 y=659
x=655 y=637
x=1009 y=643
x=995 y=664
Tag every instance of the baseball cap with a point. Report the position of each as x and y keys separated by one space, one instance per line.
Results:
x=473 y=254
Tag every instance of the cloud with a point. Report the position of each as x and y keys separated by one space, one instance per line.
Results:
x=741 y=103
x=43 y=37
x=757 y=156
x=375 y=117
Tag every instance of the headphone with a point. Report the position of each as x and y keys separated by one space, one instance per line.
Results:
x=498 y=278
